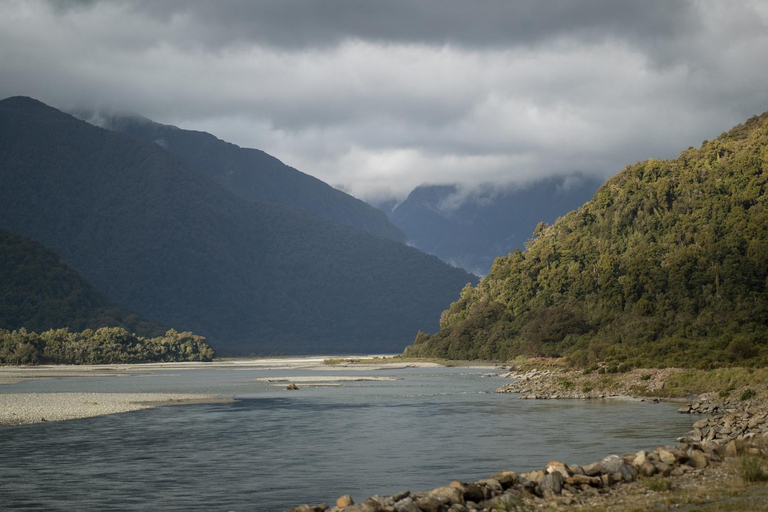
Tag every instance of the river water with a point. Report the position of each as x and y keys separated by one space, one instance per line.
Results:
x=273 y=449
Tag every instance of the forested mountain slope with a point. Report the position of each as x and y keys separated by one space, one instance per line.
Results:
x=257 y=176
x=667 y=264
x=471 y=229
x=166 y=241
x=39 y=293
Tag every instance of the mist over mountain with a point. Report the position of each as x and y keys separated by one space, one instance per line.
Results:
x=471 y=228
x=39 y=293
x=161 y=238
x=253 y=174
x=666 y=265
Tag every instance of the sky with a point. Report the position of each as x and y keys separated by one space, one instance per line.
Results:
x=378 y=97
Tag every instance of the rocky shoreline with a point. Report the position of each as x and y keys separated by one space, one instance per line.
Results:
x=732 y=429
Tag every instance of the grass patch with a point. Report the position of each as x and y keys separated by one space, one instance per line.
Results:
x=694 y=382
x=659 y=484
x=751 y=468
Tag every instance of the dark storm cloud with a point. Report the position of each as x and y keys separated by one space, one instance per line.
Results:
x=381 y=96
x=498 y=23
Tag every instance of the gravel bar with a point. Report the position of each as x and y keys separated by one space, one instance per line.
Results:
x=28 y=408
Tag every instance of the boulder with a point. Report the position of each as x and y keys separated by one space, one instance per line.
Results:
x=551 y=481
x=648 y=468
x=345 y=501
x=640 y=458
x=558 y=467
x=492 y=484
x=427 y=504
x=469 y=491
x=292 y=386
x=506 y=478
x=697 y=459
x=666 y=456
x=611 y=464
x=406 y=505
x=447 y=495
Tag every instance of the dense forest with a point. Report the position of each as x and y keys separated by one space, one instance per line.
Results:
x=255 y=175
x=666 y=265
x=101 y=346
x=39 y=293
x=162 y=239
x=470 y=229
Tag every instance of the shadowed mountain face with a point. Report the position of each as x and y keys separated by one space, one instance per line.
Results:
x=39 y=293
x=163 y=239
x=472 y=229
x=256 y=176
x=665 y=266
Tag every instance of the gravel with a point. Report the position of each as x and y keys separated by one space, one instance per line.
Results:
x=28 y=408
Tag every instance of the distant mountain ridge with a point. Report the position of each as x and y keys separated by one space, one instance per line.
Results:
x=39 y=293
x=667 y=265
x=255 y=175
x=470 y=229
x=162 y=239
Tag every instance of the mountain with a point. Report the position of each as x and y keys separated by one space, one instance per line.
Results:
x=470 y=229
x=39 y=293
x=164 y=240
x=666 y=265
x=254 y=175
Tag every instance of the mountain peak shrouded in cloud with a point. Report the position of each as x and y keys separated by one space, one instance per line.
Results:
x=470 y=227
x=380 y=97
x=252 y=174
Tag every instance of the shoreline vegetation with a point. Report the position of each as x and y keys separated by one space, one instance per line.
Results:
x=107 y=345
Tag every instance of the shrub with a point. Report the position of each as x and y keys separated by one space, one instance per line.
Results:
x=748 y=393
x=751 y=468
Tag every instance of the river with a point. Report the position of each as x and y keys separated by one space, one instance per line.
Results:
x=272 y=449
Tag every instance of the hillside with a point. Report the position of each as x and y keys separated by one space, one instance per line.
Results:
x=39 y=293
x=166 y=241
x=471 y=229
x=257 y=176
x=666 y=265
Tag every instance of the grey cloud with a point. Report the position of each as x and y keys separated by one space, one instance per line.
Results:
x=379 y=97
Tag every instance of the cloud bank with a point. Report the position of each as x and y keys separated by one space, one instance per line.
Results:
x=379 y=97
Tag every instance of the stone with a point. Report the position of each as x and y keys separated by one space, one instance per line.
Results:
x=558 y=467
x=552 y=482
x=427 y=504
x=594 y=469
x=469 y=491
x=611 y=464
x=406 y=505
x=663 y=468
x=292 y=386
x=701 y=423
x=322 y=507
x=447 y=495
x=345 y=501
x=576 y=469
x=640 y=458
x=648 y=468
x=493 y=485
x=303 y=508
x=583 y=480
x=666 y=456
x=506 y=478
x=731 y=450
x=697 y=459
x=401 y=495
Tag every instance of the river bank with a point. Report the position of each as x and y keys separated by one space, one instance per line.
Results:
x=721 y=465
